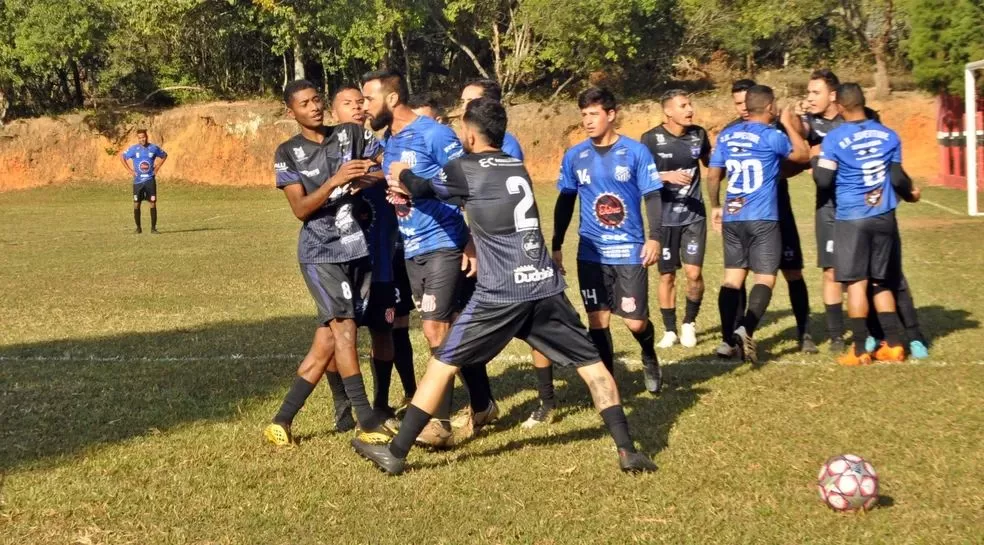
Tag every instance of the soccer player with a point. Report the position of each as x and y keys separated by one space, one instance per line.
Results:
x=820 y=118
x=861 y=161
x=751 y=154
x=544 y=413
x=312 y=171
x=612 y=174
x=678 y=147
x=434 y=235
x=520 y=293
x=427 y=106
x=147 y=160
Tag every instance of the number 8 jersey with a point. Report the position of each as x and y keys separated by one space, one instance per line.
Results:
x=751 y=152
x=862 y=153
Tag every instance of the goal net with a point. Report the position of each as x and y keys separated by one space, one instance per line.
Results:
x=973 y=133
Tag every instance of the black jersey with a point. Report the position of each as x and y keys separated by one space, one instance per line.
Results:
x=819 y=126
x=331 y=234
x=513 y=263
x=682 y=204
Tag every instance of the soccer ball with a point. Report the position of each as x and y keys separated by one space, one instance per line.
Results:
x=848 y=483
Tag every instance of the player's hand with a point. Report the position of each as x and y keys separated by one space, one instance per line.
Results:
x=469 y=263
x=717 y=217
x=676 y=177
x=395 y=198
x=349 y=171
x=362 y=183
x=558 y=258
x=801 y=108
x=916 y=194
x=650 y=253
x=396 y=169
x=789 y=119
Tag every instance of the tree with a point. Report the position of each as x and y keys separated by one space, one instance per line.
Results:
x=872 y=23
x=945 y=35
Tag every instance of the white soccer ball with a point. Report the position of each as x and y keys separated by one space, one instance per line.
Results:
x=848 y=483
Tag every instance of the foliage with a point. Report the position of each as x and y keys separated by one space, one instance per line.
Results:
x=945 y=35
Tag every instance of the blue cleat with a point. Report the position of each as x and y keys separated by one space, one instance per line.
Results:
x=870 y=344
x=918 y=350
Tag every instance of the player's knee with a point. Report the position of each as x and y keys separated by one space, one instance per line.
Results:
x=636 y=326
x=828 y=274
x=598 y=320
x=667 y=279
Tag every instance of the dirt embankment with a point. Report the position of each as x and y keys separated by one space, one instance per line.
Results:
x=232 y=143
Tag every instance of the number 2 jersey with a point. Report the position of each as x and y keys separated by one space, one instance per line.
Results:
x=862 y=154
x=514 y=265
x=610 y=182
x=426 y=224
x=751 y=154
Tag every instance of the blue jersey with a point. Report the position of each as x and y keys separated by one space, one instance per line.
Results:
x=376 y=216
x=426 y=225
x=862 y=154
x=751 y=153
x=610 y=185
x=511 y=147
x=143 y=158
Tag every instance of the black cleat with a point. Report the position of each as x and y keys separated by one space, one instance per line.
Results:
x=155 y=232
x=652 y=375
x=837 y=346
x=635 y=462
x=746 y=346
x=138 y=231
x=379 y=455
x=344 y=421
x=807 y=346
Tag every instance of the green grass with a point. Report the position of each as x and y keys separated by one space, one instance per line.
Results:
x=136 y=373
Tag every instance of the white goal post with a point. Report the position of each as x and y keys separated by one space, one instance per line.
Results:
x=971 y=132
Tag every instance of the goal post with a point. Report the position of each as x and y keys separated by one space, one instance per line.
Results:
x=971 y=133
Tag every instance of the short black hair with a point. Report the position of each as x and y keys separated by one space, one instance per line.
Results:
x=488 y=116
x=393 y=81
x=850 y=96
x=597 y=95
x=742 y=85
x=490 y=88
x=670 y=95
x=422 y=100
x=828 y=76
x=343 y=88
x=758 y=98
x=141 y=131
x=295 y=86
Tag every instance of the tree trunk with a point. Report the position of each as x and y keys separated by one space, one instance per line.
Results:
x=286 y=72
x=3 y=106
x=298 y=60
x=750 y=64
x=77 y=81
x=883 y=87
x=63 y=83
x=406 y=61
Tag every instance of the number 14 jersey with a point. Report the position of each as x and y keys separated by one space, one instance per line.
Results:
x=751 y=153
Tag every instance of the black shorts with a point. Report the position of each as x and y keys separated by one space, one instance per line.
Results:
x=622 y=289
x=549 y=325
x=402 y=294
x=436 y=280
x=145 y=191
x=381 y=308
x=754 y=245
x=682 y=244
x=791 y=257
x=340 y=290
x=868 y=249
x=825 y=237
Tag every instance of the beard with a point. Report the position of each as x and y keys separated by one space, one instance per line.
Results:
x=382 y=120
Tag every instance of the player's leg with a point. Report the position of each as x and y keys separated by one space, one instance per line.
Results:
x=669 y=263
x=309 y=373
x=152 y=197
x=632 y=304
x=344 y=419
x=886 y=273
x=379 y=317
x=918 y=347
x=730 y=300
x=544 y=413
x=137 y=197
x=402 y=347
x=791 y=265
x=852 y=264
x=693 y=243
x=833 y=291
x=596 y=284
x=764 y=243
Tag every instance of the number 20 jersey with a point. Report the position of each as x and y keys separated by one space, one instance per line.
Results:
x=610 y=186
x=751 y=153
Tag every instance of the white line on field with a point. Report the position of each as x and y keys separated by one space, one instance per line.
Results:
x=942 y=207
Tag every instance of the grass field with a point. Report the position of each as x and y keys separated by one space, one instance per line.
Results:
x=137 y=372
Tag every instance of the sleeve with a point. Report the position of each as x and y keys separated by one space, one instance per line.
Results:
x=647 y=175
x=780 y=143
x=567 y=182
x=511 y=147
x=128 y=154
x=897 y=151
x=450 y=184
x=825 y=170
x=705 y=144
x=563 y=213
x=445 y=145
x=284 y=169
x=718 y=157
x=160 y=152
x=654 y=215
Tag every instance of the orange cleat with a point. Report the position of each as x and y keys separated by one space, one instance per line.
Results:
x=850 y=359
x=888 y=353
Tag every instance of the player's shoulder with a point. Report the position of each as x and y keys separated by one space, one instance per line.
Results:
x=651 y=133
x=630 y=144
x=293 y=142
x=579 y=151
x=696 y=131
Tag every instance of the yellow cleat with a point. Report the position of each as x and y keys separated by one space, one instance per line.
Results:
x=380 y=435
x=278 y=434
x=886 y=353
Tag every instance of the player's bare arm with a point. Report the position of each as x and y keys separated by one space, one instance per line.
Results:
x=714 y=177
x=303 y=205
x=793 y=125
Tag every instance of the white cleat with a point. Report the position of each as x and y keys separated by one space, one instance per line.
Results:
x=688 y=335
x=668 y=340
x=725 y=350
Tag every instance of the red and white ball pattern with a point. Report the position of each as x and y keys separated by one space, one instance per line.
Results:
x=848 y=483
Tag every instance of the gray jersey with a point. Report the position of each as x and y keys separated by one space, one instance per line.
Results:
x=682 y=204
x=331 y=234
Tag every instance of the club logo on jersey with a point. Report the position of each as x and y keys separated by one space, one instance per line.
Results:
x=609 y=210
x=692 y=247
x=694 y=152
x=873 y=197
x=144 y=167
x=532 y=244
x=389 y=315
x=402 y=205
x=529 y=273
x=428 y=303
x=622 y=173
x=299 y=154
x=343 y=137
x=660 y=139
x=733 y=206
x=628 y=304
x=409 y=157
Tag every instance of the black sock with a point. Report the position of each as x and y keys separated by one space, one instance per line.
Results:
x=693 y=307
x=873 y=327
x=293 y=401
x=618 y=427
x=355 y=388
x=892 y=326
x=403 y=360
x=602 y=339
x=153 y=218
x=544 y=385
x=835 y=321
x=742 y=306
x=860 y=330
x=647 y=340
x=136 y=217
x=799 y=298
x=728 y=300
x=382 y=372
x=906 y=308
x=758 y=301
x=413 y=423
x=476 y=379
x=339 y=398
x=669 y=319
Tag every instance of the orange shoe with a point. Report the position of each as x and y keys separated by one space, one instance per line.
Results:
x=850 y=359
x=888 y=353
